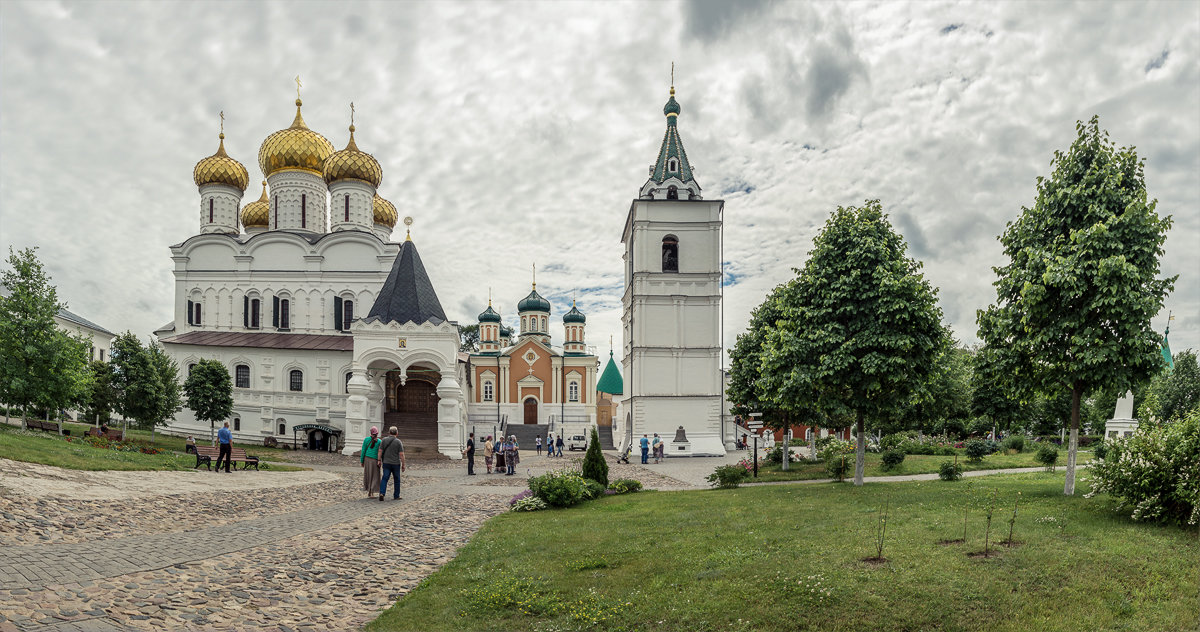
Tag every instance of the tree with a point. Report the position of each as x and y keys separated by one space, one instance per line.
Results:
x=1074 y=302
x=209 y=392
x=860 y=331
x=594 y=465
x=468 y=338
x=169 y=399
x=40 y=365
x=1173 y=393
x=102 y=398
x=135 y=380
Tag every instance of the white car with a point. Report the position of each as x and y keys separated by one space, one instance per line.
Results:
x=577 y=442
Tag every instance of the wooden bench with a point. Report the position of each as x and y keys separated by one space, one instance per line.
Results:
x=112 y=435
x=44 y=426
x=208 y=455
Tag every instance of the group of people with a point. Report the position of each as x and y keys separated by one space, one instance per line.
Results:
x=554 y=445
x=505 y=453
x=657 y=445
x=382 y=459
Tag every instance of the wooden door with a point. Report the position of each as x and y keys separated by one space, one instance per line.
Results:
x=531 y=416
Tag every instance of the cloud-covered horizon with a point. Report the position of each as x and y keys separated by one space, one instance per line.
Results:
x=517 y=133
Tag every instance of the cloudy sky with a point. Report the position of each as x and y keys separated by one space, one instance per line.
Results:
x=518 y=133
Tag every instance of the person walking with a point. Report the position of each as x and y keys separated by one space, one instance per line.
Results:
x=549 y=444
x=368 y=457
x=516 y=455
x=537 y=441
x=225 y=441
x=487 y=453
x=558 y=443
x=645 y=445
x=391 y=453
x=470 y=454
x=657 y=445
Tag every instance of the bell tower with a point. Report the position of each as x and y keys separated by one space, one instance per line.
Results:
x=671 y=318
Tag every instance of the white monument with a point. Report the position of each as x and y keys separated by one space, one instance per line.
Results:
x=1123 y=423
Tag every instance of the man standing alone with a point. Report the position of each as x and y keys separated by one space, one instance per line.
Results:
x=470 y=454
x=391 y=453
x=225 y=440
x=645 y=444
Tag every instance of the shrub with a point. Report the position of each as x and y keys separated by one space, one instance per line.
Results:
x=976 y=450
x=559 y=488
x=1048 y=455
x=728 y=476
x=594 y=465
x=529 y=504
x=592 y=489
x=891 y=459
x=835 y=448
x=1015 y=443
x=519 y=497
x=1156 y=471
x=839 y=465
x=950 y=471
x=1100 y=450
x=625 y=486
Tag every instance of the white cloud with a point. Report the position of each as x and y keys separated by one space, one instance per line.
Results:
x=516 y=133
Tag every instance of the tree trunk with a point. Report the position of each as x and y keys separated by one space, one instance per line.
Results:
x=812 y=443
x=860 y=453
x=1069 y=488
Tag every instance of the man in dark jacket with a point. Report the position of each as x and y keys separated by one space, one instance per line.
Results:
x=391 y=452
x=470 y=454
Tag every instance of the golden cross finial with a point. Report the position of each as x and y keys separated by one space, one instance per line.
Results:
x=534 y=275
x=352 y=113
x=222 y=121
x=489 y=296
x=672 y=75
x=298 y=85
x=408 y=231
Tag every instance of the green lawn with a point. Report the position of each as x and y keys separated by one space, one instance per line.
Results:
x=50 y=449
x=913 y=464
x=791 y=558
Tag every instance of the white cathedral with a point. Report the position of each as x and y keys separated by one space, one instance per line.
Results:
x=328 y=327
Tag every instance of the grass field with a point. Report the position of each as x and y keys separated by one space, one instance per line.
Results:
x=50 y=449
x=791 y=558
x=913 y=464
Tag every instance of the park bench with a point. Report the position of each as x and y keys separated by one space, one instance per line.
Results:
x=112 y=435
x=207 y=455
x=44 y=426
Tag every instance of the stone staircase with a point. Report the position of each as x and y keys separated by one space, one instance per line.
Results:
x=606 y=437
x=419 y=435
x=525 y=434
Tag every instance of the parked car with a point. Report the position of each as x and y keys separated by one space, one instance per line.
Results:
x=577 y=442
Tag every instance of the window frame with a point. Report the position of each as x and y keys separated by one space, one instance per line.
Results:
x=237 y=381
x=292 y=373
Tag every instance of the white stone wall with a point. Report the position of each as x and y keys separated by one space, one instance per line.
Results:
x=361 y=205
x=101 y=342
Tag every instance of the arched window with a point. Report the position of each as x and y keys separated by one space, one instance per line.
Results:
x=672 y=193
x=573 y=390
x=543 y=323
x=190 y=367
x=347 y=207
x=347 y=313
x=241 y=376
x=348 y=376
x=251 y=307
x=670 y=254
x=487 y=391
x=282 y=427
x=237 y=423
x=303 y=210
x=672 y=165
x=285 y=314
x=296 y=380
x=210 y=210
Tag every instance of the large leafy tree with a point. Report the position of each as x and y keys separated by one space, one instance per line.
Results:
x=1074 y=302
x=101 y=398
x=209 y=392
x=745 y=361
x=468 y=336
x=135 y=381
x=860 y=330
x=170 y=399
x=1174 y=392
x=41 y=366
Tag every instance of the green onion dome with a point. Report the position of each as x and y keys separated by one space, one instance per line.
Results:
x=534 y=303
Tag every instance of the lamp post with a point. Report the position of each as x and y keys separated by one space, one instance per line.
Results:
x=755 y=424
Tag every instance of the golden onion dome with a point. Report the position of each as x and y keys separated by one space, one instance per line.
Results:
x=219 y=168
x=353 y=164
x=257 y=214
x=385 y=212
x=296 y=147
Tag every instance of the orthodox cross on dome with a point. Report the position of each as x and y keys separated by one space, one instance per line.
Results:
x=534 y=265
x=352 y=113
x=298 y=85
x=672 y=77
x=222 y=121
x=408 y=230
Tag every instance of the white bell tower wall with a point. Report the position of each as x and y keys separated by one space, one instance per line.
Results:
x=298 y=201
x=219 y=208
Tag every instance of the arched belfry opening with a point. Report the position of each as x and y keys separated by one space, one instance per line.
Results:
x=670 y=254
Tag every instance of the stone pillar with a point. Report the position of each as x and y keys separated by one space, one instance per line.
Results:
x=451 y=434
x=357 y=410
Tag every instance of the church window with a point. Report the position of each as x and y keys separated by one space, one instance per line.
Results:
x=285 y=313
x=102 y=355
x=487 y=391
x=670 y=254
x=296 y=380
x=282 y=428
x=92 y=353
x=277 y=219
x=210 y=210
x=196 y=313
x=524 y=325
x=672 y=165
x=347 y=314
x=303 y=209
x=543 y=323
x=672 y=193
x=347 y=207
x=573 y=391
x=348 y=376
x=255 y=306
x=237 y=423
x=241 y=376
x=190 y=367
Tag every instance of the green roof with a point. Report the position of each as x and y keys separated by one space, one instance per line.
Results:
x=534 y=303
x=489 y=315
x=672 y=147
x=574 y=316
x=610 y=381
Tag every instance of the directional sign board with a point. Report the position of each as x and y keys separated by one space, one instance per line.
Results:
x=754 y=425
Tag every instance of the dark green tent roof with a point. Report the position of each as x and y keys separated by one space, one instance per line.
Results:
x=610 y=381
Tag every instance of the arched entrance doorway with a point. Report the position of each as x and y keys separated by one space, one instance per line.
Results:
x=531 y=412
x=412 y=407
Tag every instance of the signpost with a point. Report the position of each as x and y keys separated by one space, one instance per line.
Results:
x=787 y=442
x=755 y=424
